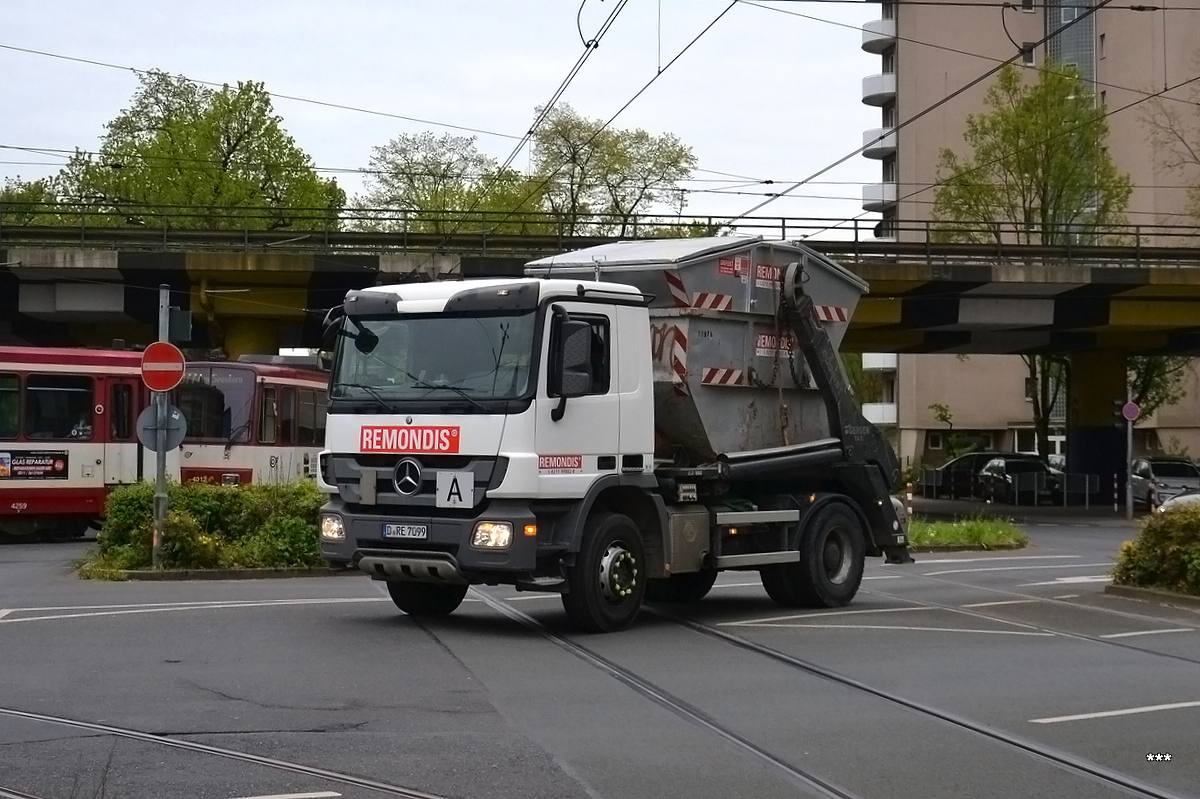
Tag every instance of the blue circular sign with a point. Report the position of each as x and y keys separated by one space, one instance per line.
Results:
x=1130 y=411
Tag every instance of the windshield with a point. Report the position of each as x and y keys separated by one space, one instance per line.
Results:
x=480 y=357
x=1184 y=470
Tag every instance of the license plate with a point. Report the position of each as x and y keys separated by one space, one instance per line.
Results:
x=406 y=531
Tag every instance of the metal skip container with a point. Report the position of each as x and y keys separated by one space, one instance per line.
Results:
x=728 y=376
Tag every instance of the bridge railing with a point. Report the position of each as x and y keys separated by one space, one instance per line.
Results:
x=532 y=232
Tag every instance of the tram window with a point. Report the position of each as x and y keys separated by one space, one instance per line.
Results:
x=307 y=428
x=10 y=406
x=120 y=413
x=322 y=409
x=218 y=403
x=58 y=407
x=270 y=414
x=287 y=415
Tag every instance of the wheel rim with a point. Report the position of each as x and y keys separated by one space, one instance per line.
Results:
x=618 y=573
x=837 y=556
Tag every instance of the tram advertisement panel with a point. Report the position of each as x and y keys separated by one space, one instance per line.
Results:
x=34 y=465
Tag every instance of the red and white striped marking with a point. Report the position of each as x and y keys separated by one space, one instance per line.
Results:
x=722 y=377
x=713 y=302
x=678 y=292
x=679 y=361
x=830 y=313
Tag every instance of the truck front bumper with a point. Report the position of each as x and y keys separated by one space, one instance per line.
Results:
x=443 y=555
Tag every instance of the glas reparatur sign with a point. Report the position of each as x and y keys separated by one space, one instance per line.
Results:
x=33 y=465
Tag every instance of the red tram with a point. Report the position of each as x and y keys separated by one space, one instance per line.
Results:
x=68 y=429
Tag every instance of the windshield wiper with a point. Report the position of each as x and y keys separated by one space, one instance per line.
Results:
x=371 y=392
x=459 y=390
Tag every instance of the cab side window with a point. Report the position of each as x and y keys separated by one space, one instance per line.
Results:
x=58 y=407
x=10 y=406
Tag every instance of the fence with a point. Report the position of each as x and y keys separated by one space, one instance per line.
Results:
x=1026 y=489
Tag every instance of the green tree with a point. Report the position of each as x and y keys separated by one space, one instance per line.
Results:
x=1156 y=381
x=865 y=385
x=592 y=170
x=25 y=202
x=439 y=184
x=1039 y=173
x=189 y=156
x=1039 y=170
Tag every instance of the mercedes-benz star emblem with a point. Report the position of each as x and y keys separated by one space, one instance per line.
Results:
x=408 y=477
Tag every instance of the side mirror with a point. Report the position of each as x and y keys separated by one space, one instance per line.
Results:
x=574 y=370
x=571 y=362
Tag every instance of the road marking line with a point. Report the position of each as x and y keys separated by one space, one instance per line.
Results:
x=1004 y=602
x=1016 y=568
x=223 y=606
x=818 y=615
x=547 y=595
x=1109 y=713
x=4 y=613
x=205 y=602
x=1088 y=578
x=738 y=585
x=884 y=577
x=317 y=795
x=1148 y=632
x=1066 y=596
x=1002 y=557
x=922 y=629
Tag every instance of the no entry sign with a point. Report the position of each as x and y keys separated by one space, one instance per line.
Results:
x=162 y=366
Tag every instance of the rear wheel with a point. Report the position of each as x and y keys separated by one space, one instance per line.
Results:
x=832 y=548
x=607 y=583
x=682 y=587
x=427 y=599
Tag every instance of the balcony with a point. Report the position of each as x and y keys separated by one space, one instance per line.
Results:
x=879 y=35
x=878 y=196
x=880 y=412
x=878 y=89
x=879 y=361
x=879 y=142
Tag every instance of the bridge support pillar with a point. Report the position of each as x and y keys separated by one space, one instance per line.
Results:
x=1095 y=444
x=245 y=336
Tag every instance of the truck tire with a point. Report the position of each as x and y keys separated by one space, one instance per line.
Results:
x=606 y=585
x=832 y=548
x=681 y=587
x=426 y=599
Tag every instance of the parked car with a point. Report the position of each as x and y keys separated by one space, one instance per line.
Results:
x=1156 y=480
x=958 y=478
x=1020 y=478
x=1189 y=497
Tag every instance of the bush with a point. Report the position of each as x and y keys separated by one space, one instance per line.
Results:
x=1166 y=553
x=209 y=526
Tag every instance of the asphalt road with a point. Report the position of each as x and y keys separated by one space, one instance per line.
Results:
x=965 y=674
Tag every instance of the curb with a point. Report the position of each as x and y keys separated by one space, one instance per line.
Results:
x=1154 y=595
x=232 y=574
x=996 y=548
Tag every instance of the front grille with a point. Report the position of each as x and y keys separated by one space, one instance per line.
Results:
x=346 y=472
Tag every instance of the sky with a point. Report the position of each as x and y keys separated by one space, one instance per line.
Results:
x=764 y=94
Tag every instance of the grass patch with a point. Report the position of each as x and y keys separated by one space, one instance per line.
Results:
x=976 y=532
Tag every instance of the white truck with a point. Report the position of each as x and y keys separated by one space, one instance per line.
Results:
x=617 y=426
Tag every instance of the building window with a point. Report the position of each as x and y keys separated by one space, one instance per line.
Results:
x=1069 y=13
x=1101 y=48
x=1103 y=97
x=1027 y=6
x=987 y=440
x=886 y=229
x=889 y=61
x=889 y=115
x=1026 y=440
x=889 y=9
x=889 y=169
x=1027 y=57
x=935 y=440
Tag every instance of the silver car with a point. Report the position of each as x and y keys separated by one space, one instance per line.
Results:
x=1156 y=480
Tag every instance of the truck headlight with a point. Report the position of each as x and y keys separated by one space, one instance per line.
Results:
x=492 y=535
x=332 y=528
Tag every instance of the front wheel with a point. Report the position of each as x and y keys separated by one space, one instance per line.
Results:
x=833 y=549
x=606 y=585
x=427 y=599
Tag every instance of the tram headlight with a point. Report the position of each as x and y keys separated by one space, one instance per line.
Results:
x=332 y=528
x=492 y=535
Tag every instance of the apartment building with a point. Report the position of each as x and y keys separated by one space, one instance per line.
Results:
x=928 y=51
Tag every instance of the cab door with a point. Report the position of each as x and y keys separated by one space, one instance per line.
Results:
x=119 y=401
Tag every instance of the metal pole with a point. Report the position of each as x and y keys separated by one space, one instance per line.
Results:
x=1128 y=455
x=160 y=434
